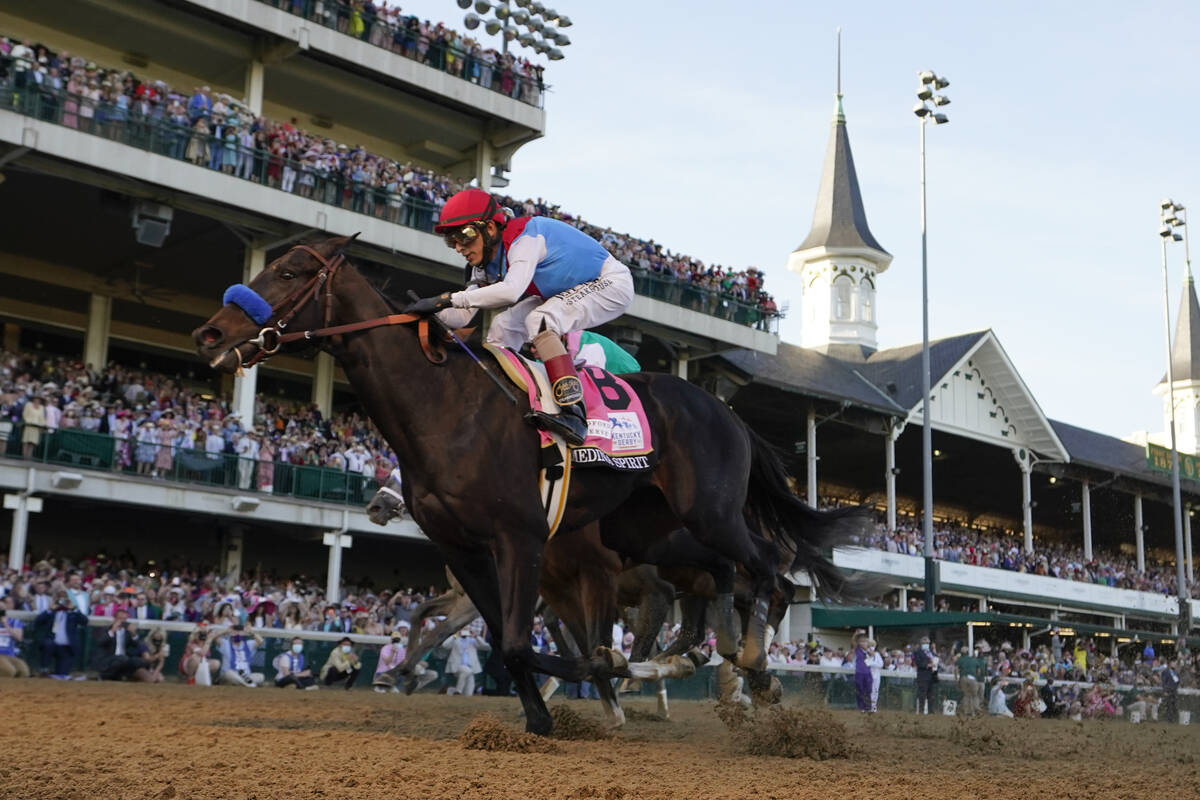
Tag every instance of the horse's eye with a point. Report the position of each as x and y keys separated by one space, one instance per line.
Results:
x=287 y=276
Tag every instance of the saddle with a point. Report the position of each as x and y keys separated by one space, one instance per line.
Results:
x=618 y=431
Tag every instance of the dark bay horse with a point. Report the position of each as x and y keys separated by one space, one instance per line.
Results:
x=470 y=463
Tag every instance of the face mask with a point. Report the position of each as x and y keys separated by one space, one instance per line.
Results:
x=296 y=648
x=345 y=648
x=395 y=641
x=925 y=647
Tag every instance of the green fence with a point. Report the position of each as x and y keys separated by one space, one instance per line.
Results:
x=97 y=451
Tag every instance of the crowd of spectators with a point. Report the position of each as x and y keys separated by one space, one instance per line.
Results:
x=154 y=417
x=219 y=132
x=999 y=550
x=435 y=45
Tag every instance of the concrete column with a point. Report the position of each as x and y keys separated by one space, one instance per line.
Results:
x=232 y=547
x=22 y=505
x=12 y=336
x=889 y=449
x=1025 y=463
x=484 y=164
x=1086 y=506
x=255 y=74
x=1187 y=544
x=681 y=363
x=784 y=634
x=970 y=638
x=1139 y=530
x=322 y=387
x=983 y=606
x=245 y=386
x=1025 y=638
x=95 y=339
x=333 y=578
x=903 y=592
x=811 y=456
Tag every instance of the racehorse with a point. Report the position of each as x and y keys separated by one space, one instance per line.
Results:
x=586 y=607
x=470 y=463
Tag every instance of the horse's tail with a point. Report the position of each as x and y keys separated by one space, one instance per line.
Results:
x=803 y=533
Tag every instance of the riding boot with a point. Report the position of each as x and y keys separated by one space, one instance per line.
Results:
x=571 y=421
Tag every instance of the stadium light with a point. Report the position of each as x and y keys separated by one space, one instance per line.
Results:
x=1173 y=215
x=926 y=109
x=529 y=14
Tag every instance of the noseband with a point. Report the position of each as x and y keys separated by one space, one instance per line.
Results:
x=319 y=288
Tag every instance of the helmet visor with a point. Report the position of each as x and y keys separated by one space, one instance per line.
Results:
x=463 y=235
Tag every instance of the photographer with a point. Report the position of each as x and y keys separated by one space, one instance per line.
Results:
x=197 y=664
x=342 y=665
x=11 y=634
x=236 y=651
x=926 y=663
x=154 y=651
x=62 y=638
x=118 y=657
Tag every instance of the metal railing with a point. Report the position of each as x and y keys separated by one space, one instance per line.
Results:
x=406 y=41
x=72 y=447
x=345 y=189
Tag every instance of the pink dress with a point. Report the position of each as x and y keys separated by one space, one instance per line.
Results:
x=266 y=466
x=164 y=459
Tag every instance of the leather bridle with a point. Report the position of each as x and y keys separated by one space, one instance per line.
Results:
x=318 y=289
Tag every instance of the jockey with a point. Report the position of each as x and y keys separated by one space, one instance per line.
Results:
x=550 y=277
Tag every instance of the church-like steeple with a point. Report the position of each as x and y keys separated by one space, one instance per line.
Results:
x=1185 y=364
x=1185 y=350
x=840 y=258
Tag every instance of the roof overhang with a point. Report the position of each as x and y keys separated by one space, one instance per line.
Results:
x=1021 y=423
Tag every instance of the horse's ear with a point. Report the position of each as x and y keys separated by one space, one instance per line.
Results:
x=339 y=243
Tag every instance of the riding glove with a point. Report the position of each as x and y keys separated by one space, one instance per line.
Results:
x=429 y=305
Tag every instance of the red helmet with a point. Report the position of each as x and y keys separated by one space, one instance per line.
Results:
x=469 y=205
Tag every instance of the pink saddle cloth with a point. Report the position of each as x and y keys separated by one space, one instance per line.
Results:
x=618 y=430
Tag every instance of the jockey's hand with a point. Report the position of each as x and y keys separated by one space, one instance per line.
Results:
x=429 y=305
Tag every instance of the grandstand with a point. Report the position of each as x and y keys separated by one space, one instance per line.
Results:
x=123 y=232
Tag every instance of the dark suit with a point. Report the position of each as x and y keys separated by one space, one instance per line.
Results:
x=114 y=667
x=62 y=656
x=152 y=612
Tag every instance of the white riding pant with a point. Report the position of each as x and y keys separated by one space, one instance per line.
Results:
x=587 y=305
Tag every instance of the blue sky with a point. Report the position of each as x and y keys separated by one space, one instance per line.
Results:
x=704 y=126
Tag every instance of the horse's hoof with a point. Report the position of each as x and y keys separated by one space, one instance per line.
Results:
x=615 y=660
x=540 y=726
x=765 y=690
x=697 y=657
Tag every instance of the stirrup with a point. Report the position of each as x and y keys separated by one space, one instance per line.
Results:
x=569 y=423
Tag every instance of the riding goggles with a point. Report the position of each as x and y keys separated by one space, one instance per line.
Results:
x=464 y=235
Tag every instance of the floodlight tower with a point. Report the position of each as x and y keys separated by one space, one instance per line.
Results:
x=541 y=24
x=927 y=108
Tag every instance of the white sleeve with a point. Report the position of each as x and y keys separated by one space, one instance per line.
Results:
x=523 y=257
x=457 y=317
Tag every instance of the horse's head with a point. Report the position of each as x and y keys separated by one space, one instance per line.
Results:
x=292 y=292
x=388 y=503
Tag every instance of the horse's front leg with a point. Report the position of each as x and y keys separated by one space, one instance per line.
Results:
x=518 y=556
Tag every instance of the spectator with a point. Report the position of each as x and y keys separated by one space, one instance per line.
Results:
x=291 y=668
x=464 y=660
x=862 y=673
x=33 y=416
x=391 y=656
x=62 y=642
x=197 y=665
x=342 y=665
x=875 y=662
x=971 y=673
x=927 y=665
x=237 y=652
x=142 y=608
x=998 y=700
x=118 y=651
x=154 y=651
x=12 y=632
x=1025 y=704
x=1170 y=686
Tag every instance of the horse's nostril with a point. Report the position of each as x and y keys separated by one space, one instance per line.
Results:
x=210 y=335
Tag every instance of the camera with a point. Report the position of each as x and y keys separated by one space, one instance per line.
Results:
x=3 y=612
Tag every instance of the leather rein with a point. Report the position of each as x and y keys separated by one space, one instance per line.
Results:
x=273 y=337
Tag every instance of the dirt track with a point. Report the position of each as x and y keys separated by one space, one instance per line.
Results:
x=89 y=740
